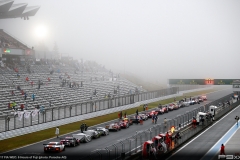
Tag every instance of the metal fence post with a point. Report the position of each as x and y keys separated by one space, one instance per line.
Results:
x=108 y=153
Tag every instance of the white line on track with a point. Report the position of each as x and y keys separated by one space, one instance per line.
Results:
x=221 y=139
x=201 y=133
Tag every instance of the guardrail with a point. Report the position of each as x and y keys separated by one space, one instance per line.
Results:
x=32 y=117
x=131 y=146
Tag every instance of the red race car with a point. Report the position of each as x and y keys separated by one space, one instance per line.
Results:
x=150 y=114
x=113 y=126
x=124 y=124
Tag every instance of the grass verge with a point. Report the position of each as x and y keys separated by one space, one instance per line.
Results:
x=20 y=141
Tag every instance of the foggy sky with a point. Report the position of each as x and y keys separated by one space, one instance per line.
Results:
x=155 y=39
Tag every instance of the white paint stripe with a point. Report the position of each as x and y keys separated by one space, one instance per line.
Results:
x=201 y=133
x=221 y=139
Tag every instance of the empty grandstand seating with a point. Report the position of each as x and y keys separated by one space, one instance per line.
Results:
x=90 y=75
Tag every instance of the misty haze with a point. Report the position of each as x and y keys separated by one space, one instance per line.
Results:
x=153 y=40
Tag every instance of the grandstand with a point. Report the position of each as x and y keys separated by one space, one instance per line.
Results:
x=55 y=83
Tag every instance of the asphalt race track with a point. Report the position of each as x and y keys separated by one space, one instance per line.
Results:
x=85 y=148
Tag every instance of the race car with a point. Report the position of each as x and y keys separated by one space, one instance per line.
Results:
x=128 y=120
x=185 y=104
x=175 y=106
x=200 y=99
x=102 y=130
x=192 y=102
x=82 y=137
x=135 y=119
x=124 y=124
x=204 y=97
x=93 y=133
x=113 y=127
x=159 y=111
x=170 y=107
x=151 y=113
x=165 y=109
x=70 y=141
x=196 y=100
x=143 y=116
x=54 y=147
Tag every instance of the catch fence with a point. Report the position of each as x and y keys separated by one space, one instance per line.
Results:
x=182 y=123
x=20 y=119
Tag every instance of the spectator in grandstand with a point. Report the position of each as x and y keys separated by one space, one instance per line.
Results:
x=42 y=109
x=9 y=105
x=18 y=76
x=60 y=77
x=27 y=79
x=19 y=88
x=49 y=79
x=12 y=92
x=32 y=83
x=16 y=70
x=26 y=105
x=33 y=97
x=22 y=107
x=39 y=84
x=22 y=92
x=14 y=105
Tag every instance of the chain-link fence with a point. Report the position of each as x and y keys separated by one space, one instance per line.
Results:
x=182 y=123
x=15 y=120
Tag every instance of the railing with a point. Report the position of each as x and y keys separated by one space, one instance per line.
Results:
x=27 y=118
x=132 y=146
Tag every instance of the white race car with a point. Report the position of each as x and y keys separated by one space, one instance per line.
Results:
x=82 y=137
x=54 y=147
x=204 y=98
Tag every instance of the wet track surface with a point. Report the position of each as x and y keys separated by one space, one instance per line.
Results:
x=85 y=148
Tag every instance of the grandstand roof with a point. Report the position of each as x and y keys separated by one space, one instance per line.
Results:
x=10 y=10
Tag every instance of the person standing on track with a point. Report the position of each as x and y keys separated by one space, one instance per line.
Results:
x=57 y=131
x=222 y=150
x=156 y=118
x=165 y=122
x=237 y=118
